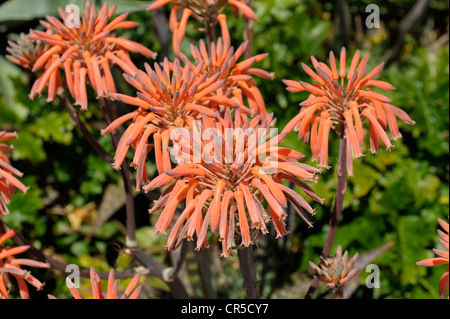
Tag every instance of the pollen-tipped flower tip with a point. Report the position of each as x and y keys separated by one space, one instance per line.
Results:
x=112 y=292
x=84 y=51
x=8 y=180
x=341 y=100
x=10 y=266
x=206 y=12
x=442 y=259
x=226 y=169
x=336 y=271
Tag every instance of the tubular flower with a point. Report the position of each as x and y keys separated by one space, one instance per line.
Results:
x=131 y=292
x=226 y=168
x=341 y=100
x=204 y=11
x=8 y=182
x=11 y=266
x=84 y=53
x=221 y=58
x=168 y=97
x=336 y=271
x=441 y=260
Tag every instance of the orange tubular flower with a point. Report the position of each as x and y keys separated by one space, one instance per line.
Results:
x=205 y=11
x=84 y=53
x=226 y=168
x=441 y=260
x=338 y=100
x=168 y=97
x=8 y=182
x=221 y=58
x=336 y=271
x=11 y=266
x=131 y=292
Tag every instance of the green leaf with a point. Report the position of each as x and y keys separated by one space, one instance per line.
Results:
x=107 y=230
x=79 y=248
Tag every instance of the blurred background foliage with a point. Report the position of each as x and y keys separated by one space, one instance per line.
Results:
x=74 y=209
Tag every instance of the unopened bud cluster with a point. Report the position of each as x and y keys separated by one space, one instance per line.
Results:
x=336 y=271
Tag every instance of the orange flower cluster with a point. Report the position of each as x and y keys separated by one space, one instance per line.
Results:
x=26 y=51
x=168 y=97
x=8 y=182
x=131 y=292
x=205 y=11
x=336 y=271
x=11 y=266
x=441 y=260
x=84 y=53
x=338 y=100
x=224 y=175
